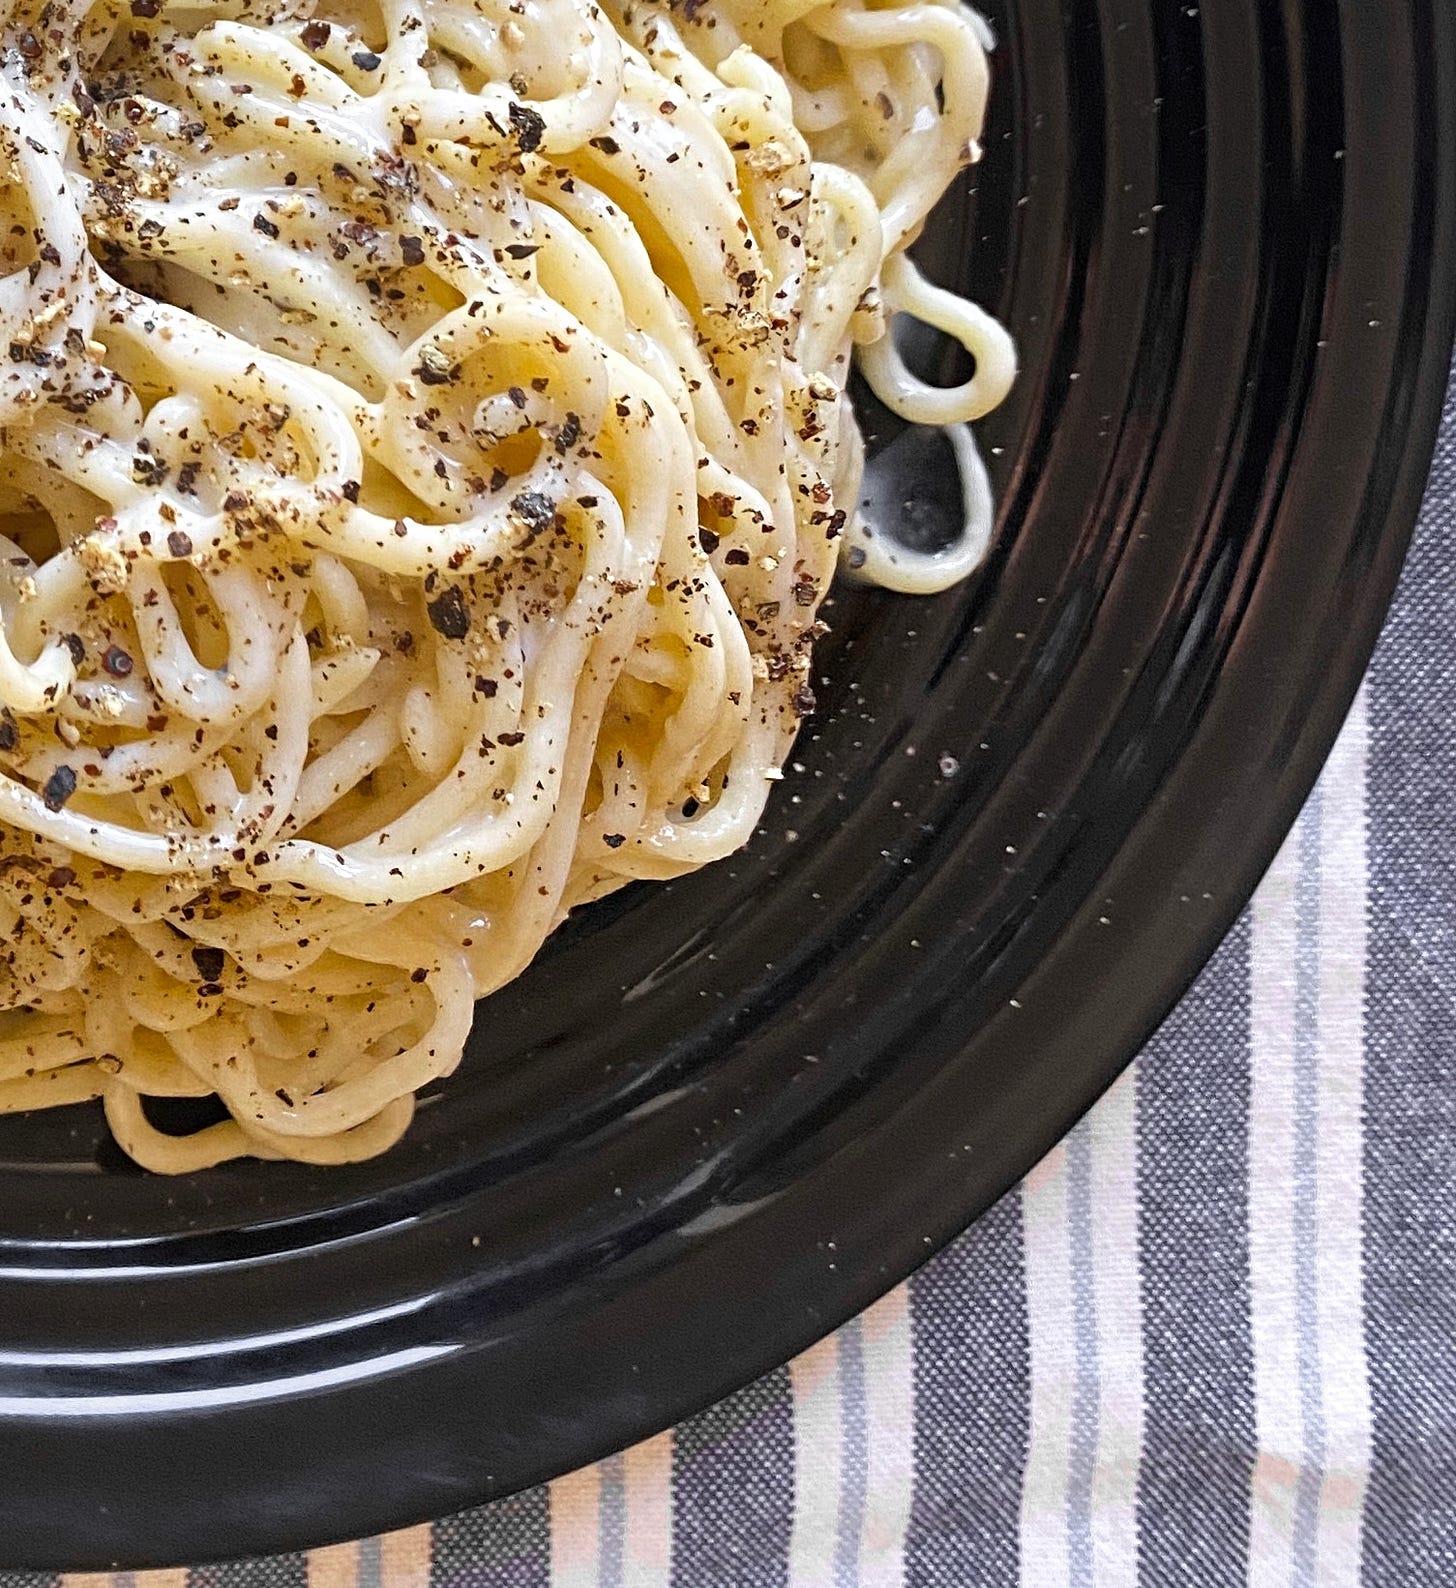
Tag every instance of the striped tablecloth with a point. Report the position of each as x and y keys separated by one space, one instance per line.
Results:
x=1211 y=1339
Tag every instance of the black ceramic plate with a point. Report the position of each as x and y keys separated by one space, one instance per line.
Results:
x=716 y=1118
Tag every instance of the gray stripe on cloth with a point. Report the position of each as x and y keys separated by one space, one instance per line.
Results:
x=276 y=1571
x=1306 y=1191
x=503 y=1545
x=369 y=1564
x=1198 y=1353
x=854 y=1455
x=1086 y=1392
x=1410 y=1075
x=733 y=1490
x=611 y=1522
x=972 y=1367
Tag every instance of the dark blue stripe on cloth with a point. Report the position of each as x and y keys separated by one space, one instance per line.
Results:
x=733 y=1490
x=277 y=1571
x=1193 y=1219
x=1410 y=1076
x=968 y=1324
x=504 y=1545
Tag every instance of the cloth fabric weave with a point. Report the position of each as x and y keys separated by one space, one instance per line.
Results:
x=1211 y=1339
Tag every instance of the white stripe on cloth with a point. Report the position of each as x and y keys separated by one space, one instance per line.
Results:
x=814 y=1377
x=1339 y=1157
x=1079 y=1496
x=573 y=1506
x=334 y=1566
x=889 y=1384
x=1119 y=1334
x=1277 y=1427
x=404 y=1557
x=647 y=1537
x=1045 y=1560
x=1311 y=1395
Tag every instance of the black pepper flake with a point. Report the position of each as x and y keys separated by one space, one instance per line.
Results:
x=261 y=223
x=116 y=661
x=9 y=733
x=804 y=592
x=857 y=556
x=605 y=144
x=486 y=687
x=147 y=470
x=179 y=544
x=209 y=962
x=235 y=501
x=448 y=614
x=366 y=60
x=419 y=974
x=413 y=250
x=76 y=646
x=614 y=840
x=534 y=510
x=736 y=557
x=529 y=125
x=61 y=877
x=522 y=250
x=511 y=740
x=804 y=701
x=146 y=8
x=709 y=541
x=569 y=433
x=59 y=787
x=29 y=46
x=350 y=490
x=316 y=34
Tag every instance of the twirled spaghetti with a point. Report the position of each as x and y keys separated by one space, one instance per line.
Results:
x=423 y=452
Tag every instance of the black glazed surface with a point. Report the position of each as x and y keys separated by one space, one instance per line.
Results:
x=715 y=1119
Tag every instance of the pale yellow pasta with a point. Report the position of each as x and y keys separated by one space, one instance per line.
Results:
x=423 y=453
